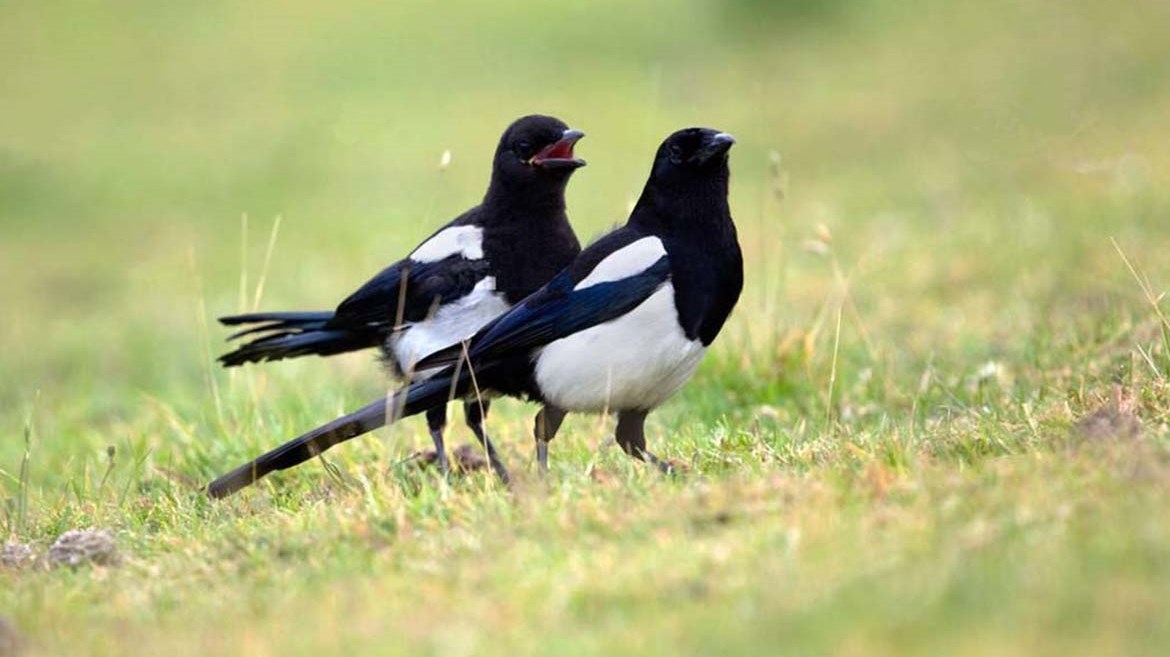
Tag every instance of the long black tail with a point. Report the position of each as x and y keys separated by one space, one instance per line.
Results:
x=287 y=335
x=415 y=399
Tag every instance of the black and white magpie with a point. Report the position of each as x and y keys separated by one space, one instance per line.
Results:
x=459 y=278
x=619 y=330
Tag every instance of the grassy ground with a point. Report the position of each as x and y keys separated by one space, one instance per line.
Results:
x=936 y=423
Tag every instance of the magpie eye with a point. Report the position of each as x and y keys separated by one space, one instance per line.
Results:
x=523 y=148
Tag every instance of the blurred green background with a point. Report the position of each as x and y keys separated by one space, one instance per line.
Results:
x=926 y=193
x=136 y=135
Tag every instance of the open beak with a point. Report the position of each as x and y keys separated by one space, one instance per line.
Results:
x=717 y=145
x=559 y=154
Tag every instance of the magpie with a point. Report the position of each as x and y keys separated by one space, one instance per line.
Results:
x=465 y=274
x=620 y=330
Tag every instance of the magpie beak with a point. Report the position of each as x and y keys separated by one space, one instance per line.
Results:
x=716 y=145
x=559 y=154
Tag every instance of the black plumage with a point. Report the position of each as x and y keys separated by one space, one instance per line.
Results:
x=619 y=330
x=468 y=271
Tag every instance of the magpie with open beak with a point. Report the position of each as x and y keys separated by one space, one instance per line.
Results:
x=620 y=330
x=465 y=274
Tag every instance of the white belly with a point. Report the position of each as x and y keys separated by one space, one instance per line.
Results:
x=452 y=323
x=635 y=362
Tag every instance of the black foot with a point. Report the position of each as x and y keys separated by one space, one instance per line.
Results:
x=500 y=470
x=664 y=466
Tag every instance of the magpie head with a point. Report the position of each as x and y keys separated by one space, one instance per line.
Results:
x=538 y=148
x=693 y=151
x=689 y=179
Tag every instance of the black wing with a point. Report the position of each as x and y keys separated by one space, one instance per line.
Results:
x=408 y=291
x=553 y=312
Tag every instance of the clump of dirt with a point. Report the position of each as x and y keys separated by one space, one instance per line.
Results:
x=10 y=641
x=469 y=458
x=1112 y=423
x=80 y=546
x=16 y=556
x=1114 y=437
x=464 y=458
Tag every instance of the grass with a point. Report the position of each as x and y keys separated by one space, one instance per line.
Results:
x=916 y=436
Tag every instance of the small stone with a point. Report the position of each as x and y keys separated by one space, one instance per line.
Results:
x=423 y=459
x=16 y=556
x=468 y=458
x=10 y=641
x=1111 y=423
x=465 y=458
x=78 y=546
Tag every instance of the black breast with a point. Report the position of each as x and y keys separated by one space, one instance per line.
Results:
x=708 y=279
x=525 y=257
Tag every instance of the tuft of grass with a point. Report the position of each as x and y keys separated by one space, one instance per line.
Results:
x=16 y=508
x=1155 y=302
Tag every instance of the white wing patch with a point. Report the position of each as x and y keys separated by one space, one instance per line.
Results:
x=450 y=324
x=635 y=362
x=466 y=241
x=630 y=260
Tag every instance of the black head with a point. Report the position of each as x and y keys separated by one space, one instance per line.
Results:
x=693 y=153
x=688 y=182
x=536 y=150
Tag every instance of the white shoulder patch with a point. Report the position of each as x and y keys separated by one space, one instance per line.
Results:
x=466 y=241
x=630 y=260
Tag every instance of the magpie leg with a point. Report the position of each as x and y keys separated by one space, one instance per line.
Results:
x=545 y=427
x=436 y=422
x=631 y=435
x=475 y=410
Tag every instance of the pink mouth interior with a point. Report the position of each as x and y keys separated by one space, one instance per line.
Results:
x=562 y=150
